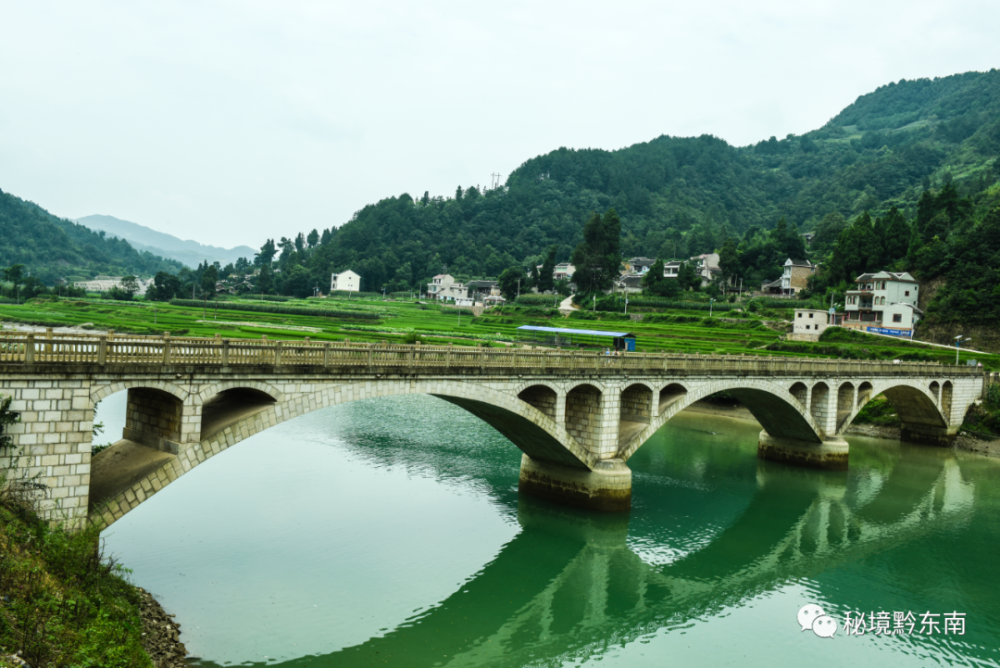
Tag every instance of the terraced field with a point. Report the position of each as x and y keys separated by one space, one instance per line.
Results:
x=332 y=320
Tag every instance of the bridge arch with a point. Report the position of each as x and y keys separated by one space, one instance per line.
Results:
x=210 y=391
x=772 y=405
x=530 y=429
x=916 y=404
x=103 y=391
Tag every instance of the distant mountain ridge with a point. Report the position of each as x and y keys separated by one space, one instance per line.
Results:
x=51 y=248
x=143 y=238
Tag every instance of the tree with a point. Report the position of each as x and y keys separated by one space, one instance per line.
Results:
x=300 y=243
x=688 y=278
x=266 y=254
x=165 y=287
x=265 y=280
x=546 y=275
x=313 y=239
x=209 y=278
x=598 y=256
x=14 y=274
x=509 y=280
x=729 y=259
x=130 y=285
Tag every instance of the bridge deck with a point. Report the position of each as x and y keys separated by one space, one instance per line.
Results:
x=28 y=350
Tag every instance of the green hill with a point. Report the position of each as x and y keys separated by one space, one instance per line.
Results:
x=683 y=196
x=52 y=248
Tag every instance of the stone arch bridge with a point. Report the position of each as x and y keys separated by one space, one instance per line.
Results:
x=577 y=417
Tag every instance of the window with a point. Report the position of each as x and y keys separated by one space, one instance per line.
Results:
x=799 y=314
x=810 y=315
x=897 y=317
x=907 y=293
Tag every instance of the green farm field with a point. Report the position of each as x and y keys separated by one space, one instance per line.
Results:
x=361 y=320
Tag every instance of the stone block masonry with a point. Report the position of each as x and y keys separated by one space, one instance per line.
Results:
x=53 y=439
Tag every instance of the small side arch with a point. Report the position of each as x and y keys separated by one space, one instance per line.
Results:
x=104 y=391
x=209 y=391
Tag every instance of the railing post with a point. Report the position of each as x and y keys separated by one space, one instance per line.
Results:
x=166 y=348
x=482 y=357
x=225 y=352
x=29 y=349
x=277 y=353
x=447 y=357
x=102 y=350
x=326 y=355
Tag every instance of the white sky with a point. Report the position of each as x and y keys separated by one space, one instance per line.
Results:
x=229 y=122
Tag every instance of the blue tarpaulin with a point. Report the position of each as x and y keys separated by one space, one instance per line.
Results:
x=578 y=332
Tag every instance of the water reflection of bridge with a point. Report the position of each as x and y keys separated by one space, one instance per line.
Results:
x=587 y=590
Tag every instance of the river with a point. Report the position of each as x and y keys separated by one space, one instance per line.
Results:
x=390 y=532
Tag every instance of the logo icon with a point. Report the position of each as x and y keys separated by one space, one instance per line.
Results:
x=812 y=618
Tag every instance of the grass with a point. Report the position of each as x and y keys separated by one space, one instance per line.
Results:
x=61 y=603
x=676 y=331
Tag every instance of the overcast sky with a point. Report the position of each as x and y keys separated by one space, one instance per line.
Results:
x=230 y=122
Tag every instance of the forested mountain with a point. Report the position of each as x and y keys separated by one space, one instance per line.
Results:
x=143 y=238
x=51 y=248
x=683 y=196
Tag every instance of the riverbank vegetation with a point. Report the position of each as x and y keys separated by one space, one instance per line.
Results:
x=62 y=602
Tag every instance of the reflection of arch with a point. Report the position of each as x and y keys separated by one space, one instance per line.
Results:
x=800 y=392
x=774 y=408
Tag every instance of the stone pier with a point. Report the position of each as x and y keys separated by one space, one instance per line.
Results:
x=608 y=487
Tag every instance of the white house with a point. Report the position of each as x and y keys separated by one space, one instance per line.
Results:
x=808 y=324
x=438 y=287
x=347 y=281
x=884 y=300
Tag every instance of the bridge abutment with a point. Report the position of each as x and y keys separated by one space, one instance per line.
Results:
x=830 y=455
x=608 y=487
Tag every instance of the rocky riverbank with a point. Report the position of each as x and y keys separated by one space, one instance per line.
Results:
x=161 y=634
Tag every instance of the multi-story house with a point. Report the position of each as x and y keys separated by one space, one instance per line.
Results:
x=794 y=277
x=438 y=287
x=886 y=300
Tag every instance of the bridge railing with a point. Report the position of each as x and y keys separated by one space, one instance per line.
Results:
x=18 y=348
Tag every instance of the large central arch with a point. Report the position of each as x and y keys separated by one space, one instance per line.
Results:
x=244 y=409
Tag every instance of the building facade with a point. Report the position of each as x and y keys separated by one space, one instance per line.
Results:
x=884 y=301
x=347 y=281
x=808 y=324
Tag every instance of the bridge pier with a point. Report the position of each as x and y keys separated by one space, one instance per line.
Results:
x=608 y=487
x=830 y=455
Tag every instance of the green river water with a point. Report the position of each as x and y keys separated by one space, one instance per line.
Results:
x=390 y=532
